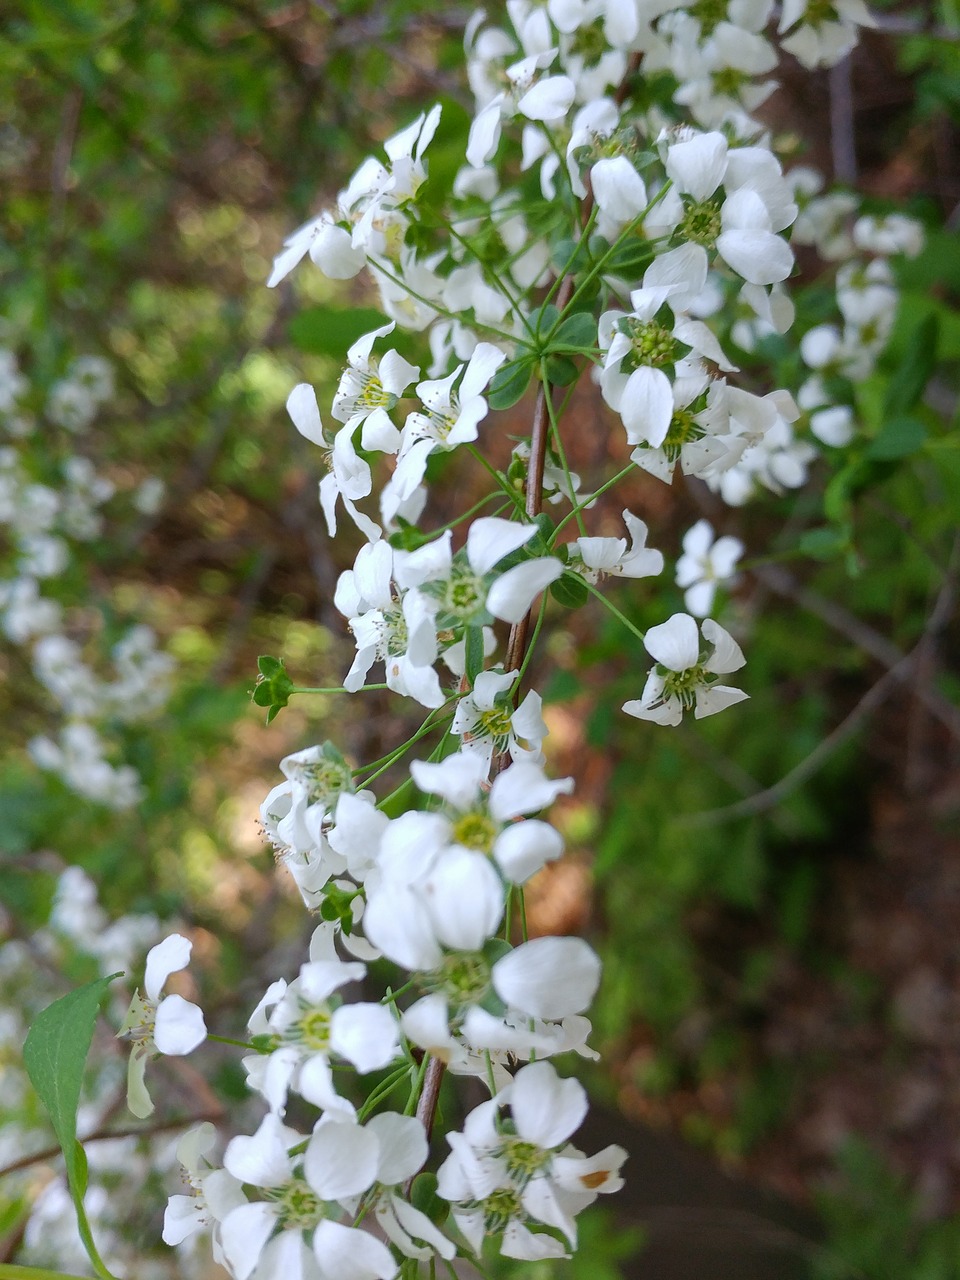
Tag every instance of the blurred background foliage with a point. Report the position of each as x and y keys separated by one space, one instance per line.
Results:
x=776 y=894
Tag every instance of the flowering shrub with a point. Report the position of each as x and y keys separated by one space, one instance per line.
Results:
x=621 y=219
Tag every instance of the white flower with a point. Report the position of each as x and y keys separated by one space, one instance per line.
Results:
x=488 y=723
x=296 y=1229
x=403 y=1151
x=704 y=564
x=369 y=389
x=215 y=1192
x=484 y=821
x=450 y=416
x=349 y=477
x=467 y=591
x=685 y=675
x=170 y=1026
x=538 y=988
x=305 y=1030
x=601 y=556
x=505 y=1174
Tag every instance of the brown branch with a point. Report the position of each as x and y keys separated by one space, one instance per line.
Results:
x=106 y=1135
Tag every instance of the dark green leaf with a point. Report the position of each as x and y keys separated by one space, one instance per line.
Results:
x=473 y=652
x=509 y=383
x=916 y=365
x=897 y=438
x=54 y=1055
x=561 y=371
x=570 y=591
x=578 y=330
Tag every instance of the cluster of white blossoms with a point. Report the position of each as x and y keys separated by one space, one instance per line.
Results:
x=51 y=502
x=594 y=224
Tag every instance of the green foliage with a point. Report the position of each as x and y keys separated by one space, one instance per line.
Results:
x=876 y=1231
x=55 y=1053
x=273 y=687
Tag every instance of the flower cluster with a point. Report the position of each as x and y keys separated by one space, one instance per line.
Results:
x=654 y=256
x=51 y=503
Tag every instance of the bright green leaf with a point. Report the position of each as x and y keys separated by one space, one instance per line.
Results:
x=54 y=1054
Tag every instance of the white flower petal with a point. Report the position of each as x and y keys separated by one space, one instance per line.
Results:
x=514 y=592
x=168 y=956
x=675 y=644
x=548 y=977
x=179 y=1026
x=347 y=1253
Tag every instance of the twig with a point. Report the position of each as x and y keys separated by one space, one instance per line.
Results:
x=843 y=142
x=872 y=699
x=106 y=1135
x=772 y=796
x=859 y=632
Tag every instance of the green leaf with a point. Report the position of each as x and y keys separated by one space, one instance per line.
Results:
x=824 y=544
x=570 y=591
x=473 y=652
x=329 y=331
x=917 y=363
x=509 y=383
x=897 y=438
x=560 y=370
x=578 y=330
x=54 y=1054
x=273 y=687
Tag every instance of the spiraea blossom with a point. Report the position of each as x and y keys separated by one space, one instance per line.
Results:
x=155 y=1025
x=512 y=1176
x=686 y=671
x=675 y=265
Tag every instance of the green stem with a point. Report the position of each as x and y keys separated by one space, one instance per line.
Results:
x=612 y=608
x=86 y=1235
x=240 y=1044
x=499 y=284
x=10 y=1272
x=558 y=444
x=581 y=506
x=416 y=1087
x=387 y=760
x=501 y=482
x=434 y=305
x=383 y=1090
x=533 y=640
x=568 y=265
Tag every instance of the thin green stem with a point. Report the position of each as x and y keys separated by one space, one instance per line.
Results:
x=239 y=1044
x=499 y=283
x=383 y=1090
x=612 y=608
x=568 y=265
x=429 y=723
x=590 y=498
x=416 y=1087
x=434 y=305
x=558 y=443
x=501 y=480
x=533 y=639
x=523 y=917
